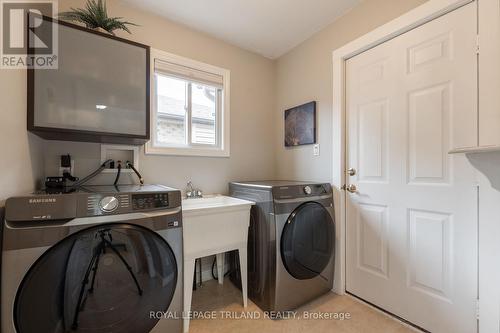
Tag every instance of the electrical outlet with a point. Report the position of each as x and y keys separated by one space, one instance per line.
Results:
x=70 y=170
x=316 y=149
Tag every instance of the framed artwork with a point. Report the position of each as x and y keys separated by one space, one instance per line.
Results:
x=300 y=125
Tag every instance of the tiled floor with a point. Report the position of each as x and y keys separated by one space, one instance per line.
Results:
x=221 y=301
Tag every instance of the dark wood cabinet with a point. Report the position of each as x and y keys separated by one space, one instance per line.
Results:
x=100 y=91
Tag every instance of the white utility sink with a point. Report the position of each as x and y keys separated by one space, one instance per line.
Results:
x=214 y=225
x=210 y=203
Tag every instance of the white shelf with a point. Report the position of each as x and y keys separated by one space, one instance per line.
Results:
x=480 y=149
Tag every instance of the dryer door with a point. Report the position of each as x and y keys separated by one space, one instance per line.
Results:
x=307 y=241
x=107 y=278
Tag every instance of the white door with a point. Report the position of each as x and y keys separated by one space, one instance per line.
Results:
x=412 y=224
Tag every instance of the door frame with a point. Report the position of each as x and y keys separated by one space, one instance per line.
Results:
x=408 y=21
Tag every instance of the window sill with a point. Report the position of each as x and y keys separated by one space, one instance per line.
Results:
x=194 y=151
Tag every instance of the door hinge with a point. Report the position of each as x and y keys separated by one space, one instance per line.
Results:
x=477 y=309
x=477 y=44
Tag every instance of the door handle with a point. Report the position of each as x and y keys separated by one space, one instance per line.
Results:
x=352 y=188
x=351 y=172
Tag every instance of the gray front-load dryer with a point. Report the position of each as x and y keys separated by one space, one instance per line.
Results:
x=291 y=245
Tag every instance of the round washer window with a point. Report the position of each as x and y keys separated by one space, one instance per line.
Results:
x=307 y=241
x=102 y=279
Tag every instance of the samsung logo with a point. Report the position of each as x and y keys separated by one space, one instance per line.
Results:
x=40 y=200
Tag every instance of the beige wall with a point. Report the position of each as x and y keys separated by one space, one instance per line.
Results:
x=260 y=90
x=252 y=101
x=20 y=153
x=305 y=74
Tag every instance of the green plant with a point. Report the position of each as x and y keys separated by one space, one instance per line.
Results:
x=95 y=16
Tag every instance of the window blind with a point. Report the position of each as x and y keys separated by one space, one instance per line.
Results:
x=189 y=73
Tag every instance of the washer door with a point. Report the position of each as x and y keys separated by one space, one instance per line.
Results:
x=101 y=279
x=307 y=241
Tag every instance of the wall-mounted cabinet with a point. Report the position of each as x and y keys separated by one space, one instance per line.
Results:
x=488 y=129
x=98 y=93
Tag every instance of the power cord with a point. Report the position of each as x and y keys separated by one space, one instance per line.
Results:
x=118 y=173
x=93 y=174
x=131 y=166
x=103 y=166
x=68 y=176
x=214 y=275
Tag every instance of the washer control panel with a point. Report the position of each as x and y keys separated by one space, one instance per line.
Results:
x=307 y=190
x=108 y=204
x=98 y=200
x=124 y=203
x=149 y=201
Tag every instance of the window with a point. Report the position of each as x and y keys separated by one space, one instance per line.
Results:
x=190 y=113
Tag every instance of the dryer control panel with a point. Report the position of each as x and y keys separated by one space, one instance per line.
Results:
x=301 y=191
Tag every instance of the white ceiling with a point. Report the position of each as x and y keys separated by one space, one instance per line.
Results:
x=268 y=27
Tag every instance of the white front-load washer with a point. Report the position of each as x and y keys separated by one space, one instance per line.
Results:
x=99 y=259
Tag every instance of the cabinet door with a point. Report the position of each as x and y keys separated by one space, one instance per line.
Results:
x=100 y=85
x=489 y=73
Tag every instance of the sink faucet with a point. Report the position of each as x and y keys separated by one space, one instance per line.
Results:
x=191 y=192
